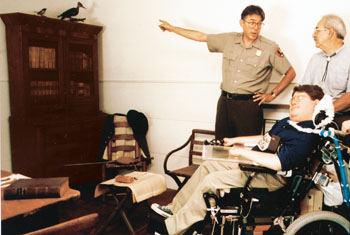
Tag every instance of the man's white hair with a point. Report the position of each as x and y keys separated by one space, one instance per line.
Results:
x=335 y=22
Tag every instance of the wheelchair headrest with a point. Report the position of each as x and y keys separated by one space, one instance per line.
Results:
x=324 y=112
x=322 y=116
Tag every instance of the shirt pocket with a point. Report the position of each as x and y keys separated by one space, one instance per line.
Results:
x=229 y=60
x=256 y=64
x=342 y=75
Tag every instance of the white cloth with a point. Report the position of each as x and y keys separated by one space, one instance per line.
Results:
x=332 y=194
x=146 y=185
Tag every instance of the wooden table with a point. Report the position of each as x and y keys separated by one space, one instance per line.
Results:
x=14 y=210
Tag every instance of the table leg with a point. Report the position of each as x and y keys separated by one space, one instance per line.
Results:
x=126 y=220
x=118 y=208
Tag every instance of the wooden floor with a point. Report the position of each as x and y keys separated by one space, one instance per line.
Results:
x=137 y=213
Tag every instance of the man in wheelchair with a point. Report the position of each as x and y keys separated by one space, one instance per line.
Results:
x=189 y=207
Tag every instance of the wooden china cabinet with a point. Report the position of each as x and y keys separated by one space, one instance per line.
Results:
x=54 y=97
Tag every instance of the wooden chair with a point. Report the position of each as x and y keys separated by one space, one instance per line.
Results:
x=268 y=123
x=122 y=150
x=195 y=142
x=79 y=226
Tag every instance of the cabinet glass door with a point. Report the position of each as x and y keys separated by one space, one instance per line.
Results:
x=81 y=73
x=43 y=73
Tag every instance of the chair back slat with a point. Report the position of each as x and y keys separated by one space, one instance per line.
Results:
x=125 y=148
x=197 y=141
x=123 y=137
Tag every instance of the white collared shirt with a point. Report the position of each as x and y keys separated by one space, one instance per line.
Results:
x=337 y=81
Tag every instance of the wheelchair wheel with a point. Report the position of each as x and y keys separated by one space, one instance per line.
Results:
x=319 y=223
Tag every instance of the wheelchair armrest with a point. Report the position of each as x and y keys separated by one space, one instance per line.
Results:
x=254 y=168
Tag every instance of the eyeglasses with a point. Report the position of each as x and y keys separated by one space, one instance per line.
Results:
x=252 y=24
x=320 y=29
x=297 y=98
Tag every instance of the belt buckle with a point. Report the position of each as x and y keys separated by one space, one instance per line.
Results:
x=229 y=96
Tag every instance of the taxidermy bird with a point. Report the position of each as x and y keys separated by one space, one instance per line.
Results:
x=41 y=12
x=78 y=19
x=71 y=12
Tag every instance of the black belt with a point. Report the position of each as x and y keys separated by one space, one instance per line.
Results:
x=235 y=96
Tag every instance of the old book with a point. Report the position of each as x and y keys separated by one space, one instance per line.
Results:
x=37 y=188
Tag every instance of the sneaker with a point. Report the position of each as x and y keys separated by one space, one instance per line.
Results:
x=162 y=210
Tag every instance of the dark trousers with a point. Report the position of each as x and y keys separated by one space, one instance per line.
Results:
x=339 y=119
x=235 y=117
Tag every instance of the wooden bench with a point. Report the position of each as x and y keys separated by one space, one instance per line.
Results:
x=82 y=225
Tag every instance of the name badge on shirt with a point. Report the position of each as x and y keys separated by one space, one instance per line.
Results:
x=269 y=142
x=258 y=53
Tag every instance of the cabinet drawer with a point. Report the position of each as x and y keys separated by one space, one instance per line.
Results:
x=74 y=152
x=58 y=157
x=70 y=134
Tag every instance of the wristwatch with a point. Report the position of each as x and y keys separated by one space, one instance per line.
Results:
x=273 y=94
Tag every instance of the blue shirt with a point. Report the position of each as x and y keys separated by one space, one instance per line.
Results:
x=296 y=145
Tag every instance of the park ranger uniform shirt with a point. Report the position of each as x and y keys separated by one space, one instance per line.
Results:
x=247 y=70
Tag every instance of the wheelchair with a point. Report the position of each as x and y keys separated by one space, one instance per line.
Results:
x=243 y=209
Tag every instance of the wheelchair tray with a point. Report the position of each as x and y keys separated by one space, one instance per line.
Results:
x=221 y=153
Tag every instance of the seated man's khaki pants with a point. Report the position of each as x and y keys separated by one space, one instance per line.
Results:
x=188 y=206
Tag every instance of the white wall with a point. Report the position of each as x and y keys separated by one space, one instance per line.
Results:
x=174 y=81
